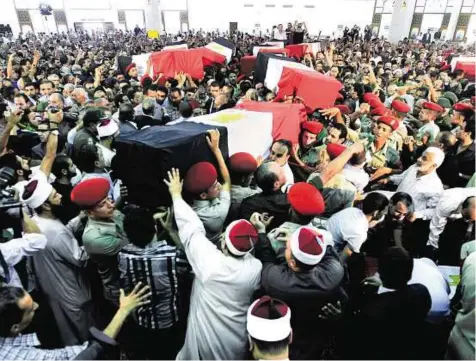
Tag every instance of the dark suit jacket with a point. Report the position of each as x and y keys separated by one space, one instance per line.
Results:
x=146 y=120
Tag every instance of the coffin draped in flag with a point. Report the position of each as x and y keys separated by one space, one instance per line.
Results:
x=287 y=118
x=144 y=157
x=269 y=68
x=248 y=64
x=299 y=50
x=209 y=57
x=171 y=62
x=316 y=90
x=468 y=67
x=265 y=48
x=223 y=47
x=176 y=45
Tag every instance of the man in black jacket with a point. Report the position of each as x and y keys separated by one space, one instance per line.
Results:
x=306 y=275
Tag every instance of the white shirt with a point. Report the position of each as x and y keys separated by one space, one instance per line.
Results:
x=289 y=177
x=425 y=190
x=14 y=250
x=447 y=207
x=221 y=294
x=357 y=176
x=348 y=228
x=426 y=272
x=279 y=35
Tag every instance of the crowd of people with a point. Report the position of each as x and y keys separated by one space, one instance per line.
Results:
x=331 y=247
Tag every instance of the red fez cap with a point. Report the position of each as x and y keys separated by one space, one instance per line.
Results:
x=200 y=177
x=400 y=106
x=268 y=320
x=460 y=107
x=305 y=199
x=312 y=127
x=368 y=96
x=308 y=244
x=344 y=109
x=240 y=237
x=375 y=103
x=335 y=150
x=129 y=67
x=392 y=122
x=380 y=111
x=433 y=106
x=90 y=192
x=243 y=163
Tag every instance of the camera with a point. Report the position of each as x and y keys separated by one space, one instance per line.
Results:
x=52 y=109
x=7 y=195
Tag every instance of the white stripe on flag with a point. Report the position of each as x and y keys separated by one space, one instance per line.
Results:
x=141 y=63
x=220 y=49
x=275 y=69
x=275 y=44
x=179 y=46
x=248 y=131
x=313 y=47
x=256 y=49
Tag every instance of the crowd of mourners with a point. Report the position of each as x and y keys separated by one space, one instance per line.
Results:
x=331 y=248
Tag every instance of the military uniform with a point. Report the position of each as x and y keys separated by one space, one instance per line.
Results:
x=103 y=241
x=430 y=129
x=387 y=156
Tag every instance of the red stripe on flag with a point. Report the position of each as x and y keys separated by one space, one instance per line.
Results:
x=287 y=118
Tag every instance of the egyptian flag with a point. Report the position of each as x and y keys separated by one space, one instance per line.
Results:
x=253 y=126
x=223 y=47
x=275 y=43
x=171 y=62
x=176 y=45
x=267 y=48
x=209 y=57
x=315 y=89
x=247 y=64
x=269 y=68
x=144 y=157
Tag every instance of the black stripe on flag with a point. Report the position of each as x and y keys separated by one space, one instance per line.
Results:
x=262 y=64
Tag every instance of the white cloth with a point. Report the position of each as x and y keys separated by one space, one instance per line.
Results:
x=14 y=250
x=221 y=293
x=357 y=176
x=425 y=190
x=288 y=176
x=348 y=228
x=447 y=207
x=426 y=272
x=107 y=154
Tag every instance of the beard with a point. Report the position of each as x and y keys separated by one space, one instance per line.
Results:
x=57 y=210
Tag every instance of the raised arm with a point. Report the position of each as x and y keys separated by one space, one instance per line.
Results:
x=213 y=140
x=49 y=158
x=12 y=121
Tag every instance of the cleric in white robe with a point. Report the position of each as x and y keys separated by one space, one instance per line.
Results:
x=225 y=281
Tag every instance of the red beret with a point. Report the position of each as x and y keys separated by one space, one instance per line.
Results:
x=400 y=106
x=312 y=127
x=368 y=96
x=305 y=199
x=243 y=163
x=460 y=107
x=144 y=78
x=433 y=106
x=380 y=111
x=392 y=122
x=335 y=150
x=375 y=103
x=129 y=67
x=240 y=237
x=344 y=109
x=90 y=192
x=200 y=177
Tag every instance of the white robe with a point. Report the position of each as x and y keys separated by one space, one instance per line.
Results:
x=221 y=293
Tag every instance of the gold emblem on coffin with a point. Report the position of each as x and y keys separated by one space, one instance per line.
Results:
x=226 y=118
